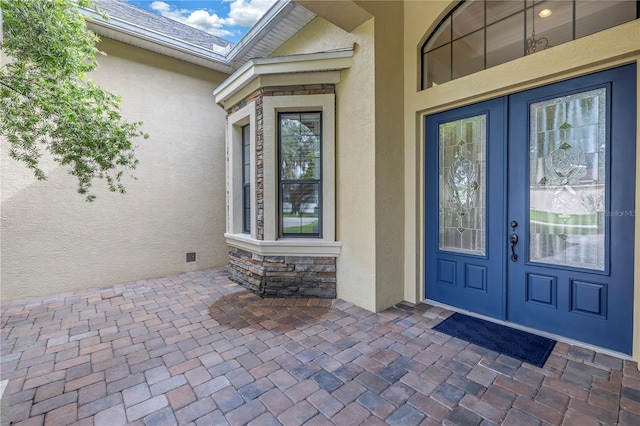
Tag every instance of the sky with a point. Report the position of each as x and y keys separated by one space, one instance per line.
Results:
x=227 y=19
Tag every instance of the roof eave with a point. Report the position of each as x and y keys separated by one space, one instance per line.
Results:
x=129 y=33
x=334 y=60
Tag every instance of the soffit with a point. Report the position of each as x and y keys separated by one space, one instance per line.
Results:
x=345 y=14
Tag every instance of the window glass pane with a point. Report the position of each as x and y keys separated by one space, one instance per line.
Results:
x=245 y=153
x=246 y=195
x=568 y=180
x=505 y=40
x=468 y=54
x=300 y=146
x=551 y=31
x=246 y=167
x=469 y=17
x=441 y=36
x=594 y=16
x=301 y=208
x=247 y=221
x=246 y=202
x=438 y=65
x=498 y=10
x=246 y=179
x=462 y=199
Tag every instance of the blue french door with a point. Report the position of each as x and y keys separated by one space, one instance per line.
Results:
x=571 y=190
x=532 y=221
x=465 y=207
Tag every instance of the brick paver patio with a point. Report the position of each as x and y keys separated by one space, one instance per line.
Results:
x=197 y=349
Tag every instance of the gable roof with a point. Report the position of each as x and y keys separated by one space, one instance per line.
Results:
x=133 y=25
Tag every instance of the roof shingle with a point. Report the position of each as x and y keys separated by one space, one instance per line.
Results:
x=119 y=9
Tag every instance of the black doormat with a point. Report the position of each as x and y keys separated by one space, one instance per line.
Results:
x=517 y=344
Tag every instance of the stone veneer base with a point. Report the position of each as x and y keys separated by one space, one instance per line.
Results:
x=283 y=276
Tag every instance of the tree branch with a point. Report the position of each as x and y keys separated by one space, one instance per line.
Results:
x=10 y=87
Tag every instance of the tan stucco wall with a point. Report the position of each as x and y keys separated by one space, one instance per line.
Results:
x=355 y=154
x=369 y=153
x=599 y=51
x=53 y=241
x=389 y=159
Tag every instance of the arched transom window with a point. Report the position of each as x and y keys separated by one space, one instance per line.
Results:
x=478 y=34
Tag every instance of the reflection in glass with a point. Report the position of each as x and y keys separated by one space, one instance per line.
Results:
x=462 y=171
x=300 y=209
x=300 y=173
x=300 y=146
x=567 y=180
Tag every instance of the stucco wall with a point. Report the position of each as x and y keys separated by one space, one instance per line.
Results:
x=389 y=80
x=616 y=46
x=370 y=161
x=53 y=241
x=355 y=155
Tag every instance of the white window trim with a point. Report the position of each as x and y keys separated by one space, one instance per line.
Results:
x=272 y=245
x=286 y=247
x=271 y=106
x=237 y=120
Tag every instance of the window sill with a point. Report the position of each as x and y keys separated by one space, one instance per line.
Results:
x=285 y=247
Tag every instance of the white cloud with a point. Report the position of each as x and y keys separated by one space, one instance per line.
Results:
x=165 y=10
x=200 y=19
x=247 y=12
x=160 y=6
x=243 y=13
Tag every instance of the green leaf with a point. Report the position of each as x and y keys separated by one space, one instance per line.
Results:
x=48 y=103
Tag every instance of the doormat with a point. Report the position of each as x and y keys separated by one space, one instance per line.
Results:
x=517 y=344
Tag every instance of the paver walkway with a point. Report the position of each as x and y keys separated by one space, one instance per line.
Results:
x=197 y=349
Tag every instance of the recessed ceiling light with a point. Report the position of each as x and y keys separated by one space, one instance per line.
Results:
x=545 y=13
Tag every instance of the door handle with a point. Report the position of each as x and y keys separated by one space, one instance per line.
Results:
x=513 y=238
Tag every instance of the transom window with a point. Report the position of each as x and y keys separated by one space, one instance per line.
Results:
x=300 y=174
x=479 y=34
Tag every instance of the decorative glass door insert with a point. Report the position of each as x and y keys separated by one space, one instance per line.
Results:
x=462 y=176
x=567 y=180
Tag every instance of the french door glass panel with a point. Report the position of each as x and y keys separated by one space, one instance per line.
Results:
x=462 y=200
x=567 y=180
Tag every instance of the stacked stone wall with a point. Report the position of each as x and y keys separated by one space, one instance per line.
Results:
x=283 y=276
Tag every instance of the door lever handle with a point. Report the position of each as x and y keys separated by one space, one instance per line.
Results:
x=513 y=238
